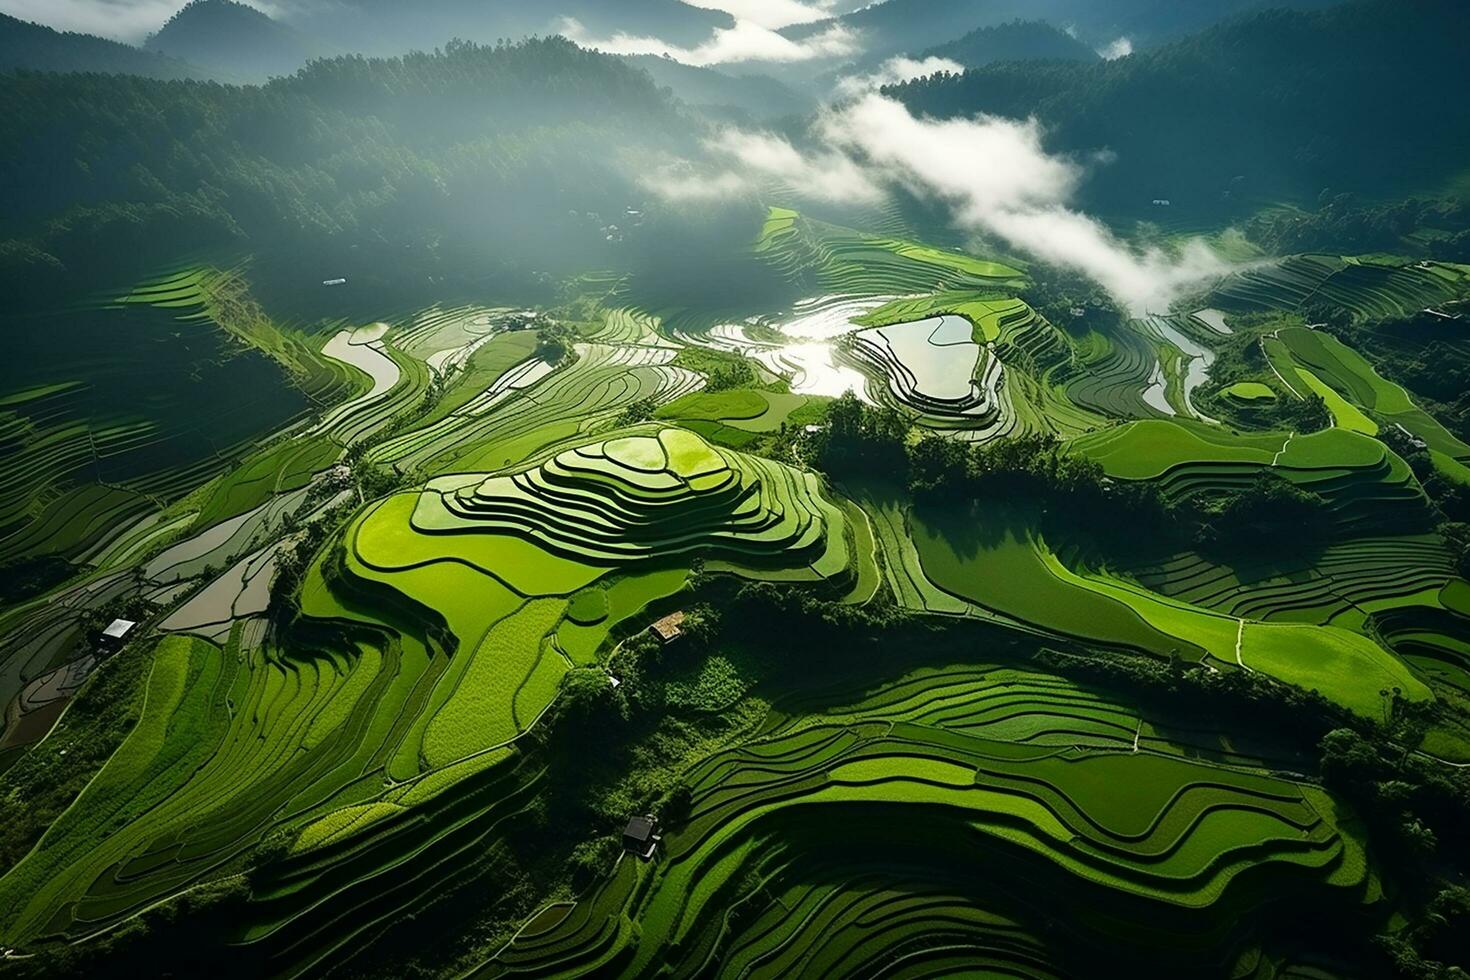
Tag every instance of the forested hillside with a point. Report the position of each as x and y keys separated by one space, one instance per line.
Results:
x=39 y=48
x=1017 y=41
x=347 y=163
x=1276 y=104
x=233 y=40
x=392 y=26
x=757 y=96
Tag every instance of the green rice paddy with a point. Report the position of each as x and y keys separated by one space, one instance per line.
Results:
x=489 y=536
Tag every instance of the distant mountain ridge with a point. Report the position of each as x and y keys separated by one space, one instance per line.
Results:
x=39 y=48
x=1262 y=108
x=1017 y=41
x=758 y=96
x=907 y=26
x=392 y=26
x=233 y=40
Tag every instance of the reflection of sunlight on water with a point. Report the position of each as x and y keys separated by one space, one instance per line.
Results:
x=828 y=317
x=1154 y=393
x=1197 y=368
x=809 y=363
x=811 y=369
x=806 y=358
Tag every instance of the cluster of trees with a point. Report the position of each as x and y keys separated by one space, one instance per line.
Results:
x=554 y=342
x=466 y=163
x=1220 y=106
x=859 y=438
x=1270 y=513
x=1272 y=510
x=1348 y=224
x=723 y=370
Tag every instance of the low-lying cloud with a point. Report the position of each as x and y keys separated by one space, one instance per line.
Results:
x=747 y=41
x=748 y=158
x=994 y=175
x=772 y=14
x=895 y=71
x=1120 y=48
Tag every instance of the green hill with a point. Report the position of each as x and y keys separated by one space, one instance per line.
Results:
x=233 y=40
x=759 y=96
x=35 y=47
x=1271 y=106
x=1016 y=41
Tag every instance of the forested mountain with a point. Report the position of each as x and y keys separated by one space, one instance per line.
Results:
x=233 y=41
x=1016 y=41
x=1273 y=105
x=1153 y=21
x=757 y=96
x=472 y=159
x=907 y=26
x=38 y=48
x=392 y=26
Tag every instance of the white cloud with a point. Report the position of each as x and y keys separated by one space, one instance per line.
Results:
x=825 y=175
x=1113 y=50
x=746 y=157
x=122 y=20
x=681 y=183
x=747 y=41
x=995 y=176
x=895 y=71
x=773 y=14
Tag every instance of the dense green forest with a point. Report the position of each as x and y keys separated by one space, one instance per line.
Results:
x=234 y=41
x=1203 y=122
x=39 y=48
x=1017 y=41
x=352 y=164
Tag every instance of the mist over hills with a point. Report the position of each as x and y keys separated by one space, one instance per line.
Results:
x=346 y=164
x=376 y=152
x=1272 y=104
x=238 y=42
x=617 y=488
x=755 y=95
x=392 y=27
x=1016 y=41
x=233 y=41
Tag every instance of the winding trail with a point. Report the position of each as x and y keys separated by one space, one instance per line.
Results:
x=1289 y=386
x=1282 y=451
x=1239 y=640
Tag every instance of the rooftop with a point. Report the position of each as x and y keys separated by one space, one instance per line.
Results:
x=118 y=629
x=667 y=629
x=639 y=829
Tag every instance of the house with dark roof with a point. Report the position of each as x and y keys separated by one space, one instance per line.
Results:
x=641 y=836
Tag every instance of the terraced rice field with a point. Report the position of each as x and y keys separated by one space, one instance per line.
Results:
x=1017 y=576
x=1008 y=769
x=838 y=260
x=486 y=535
x=1368 y=289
